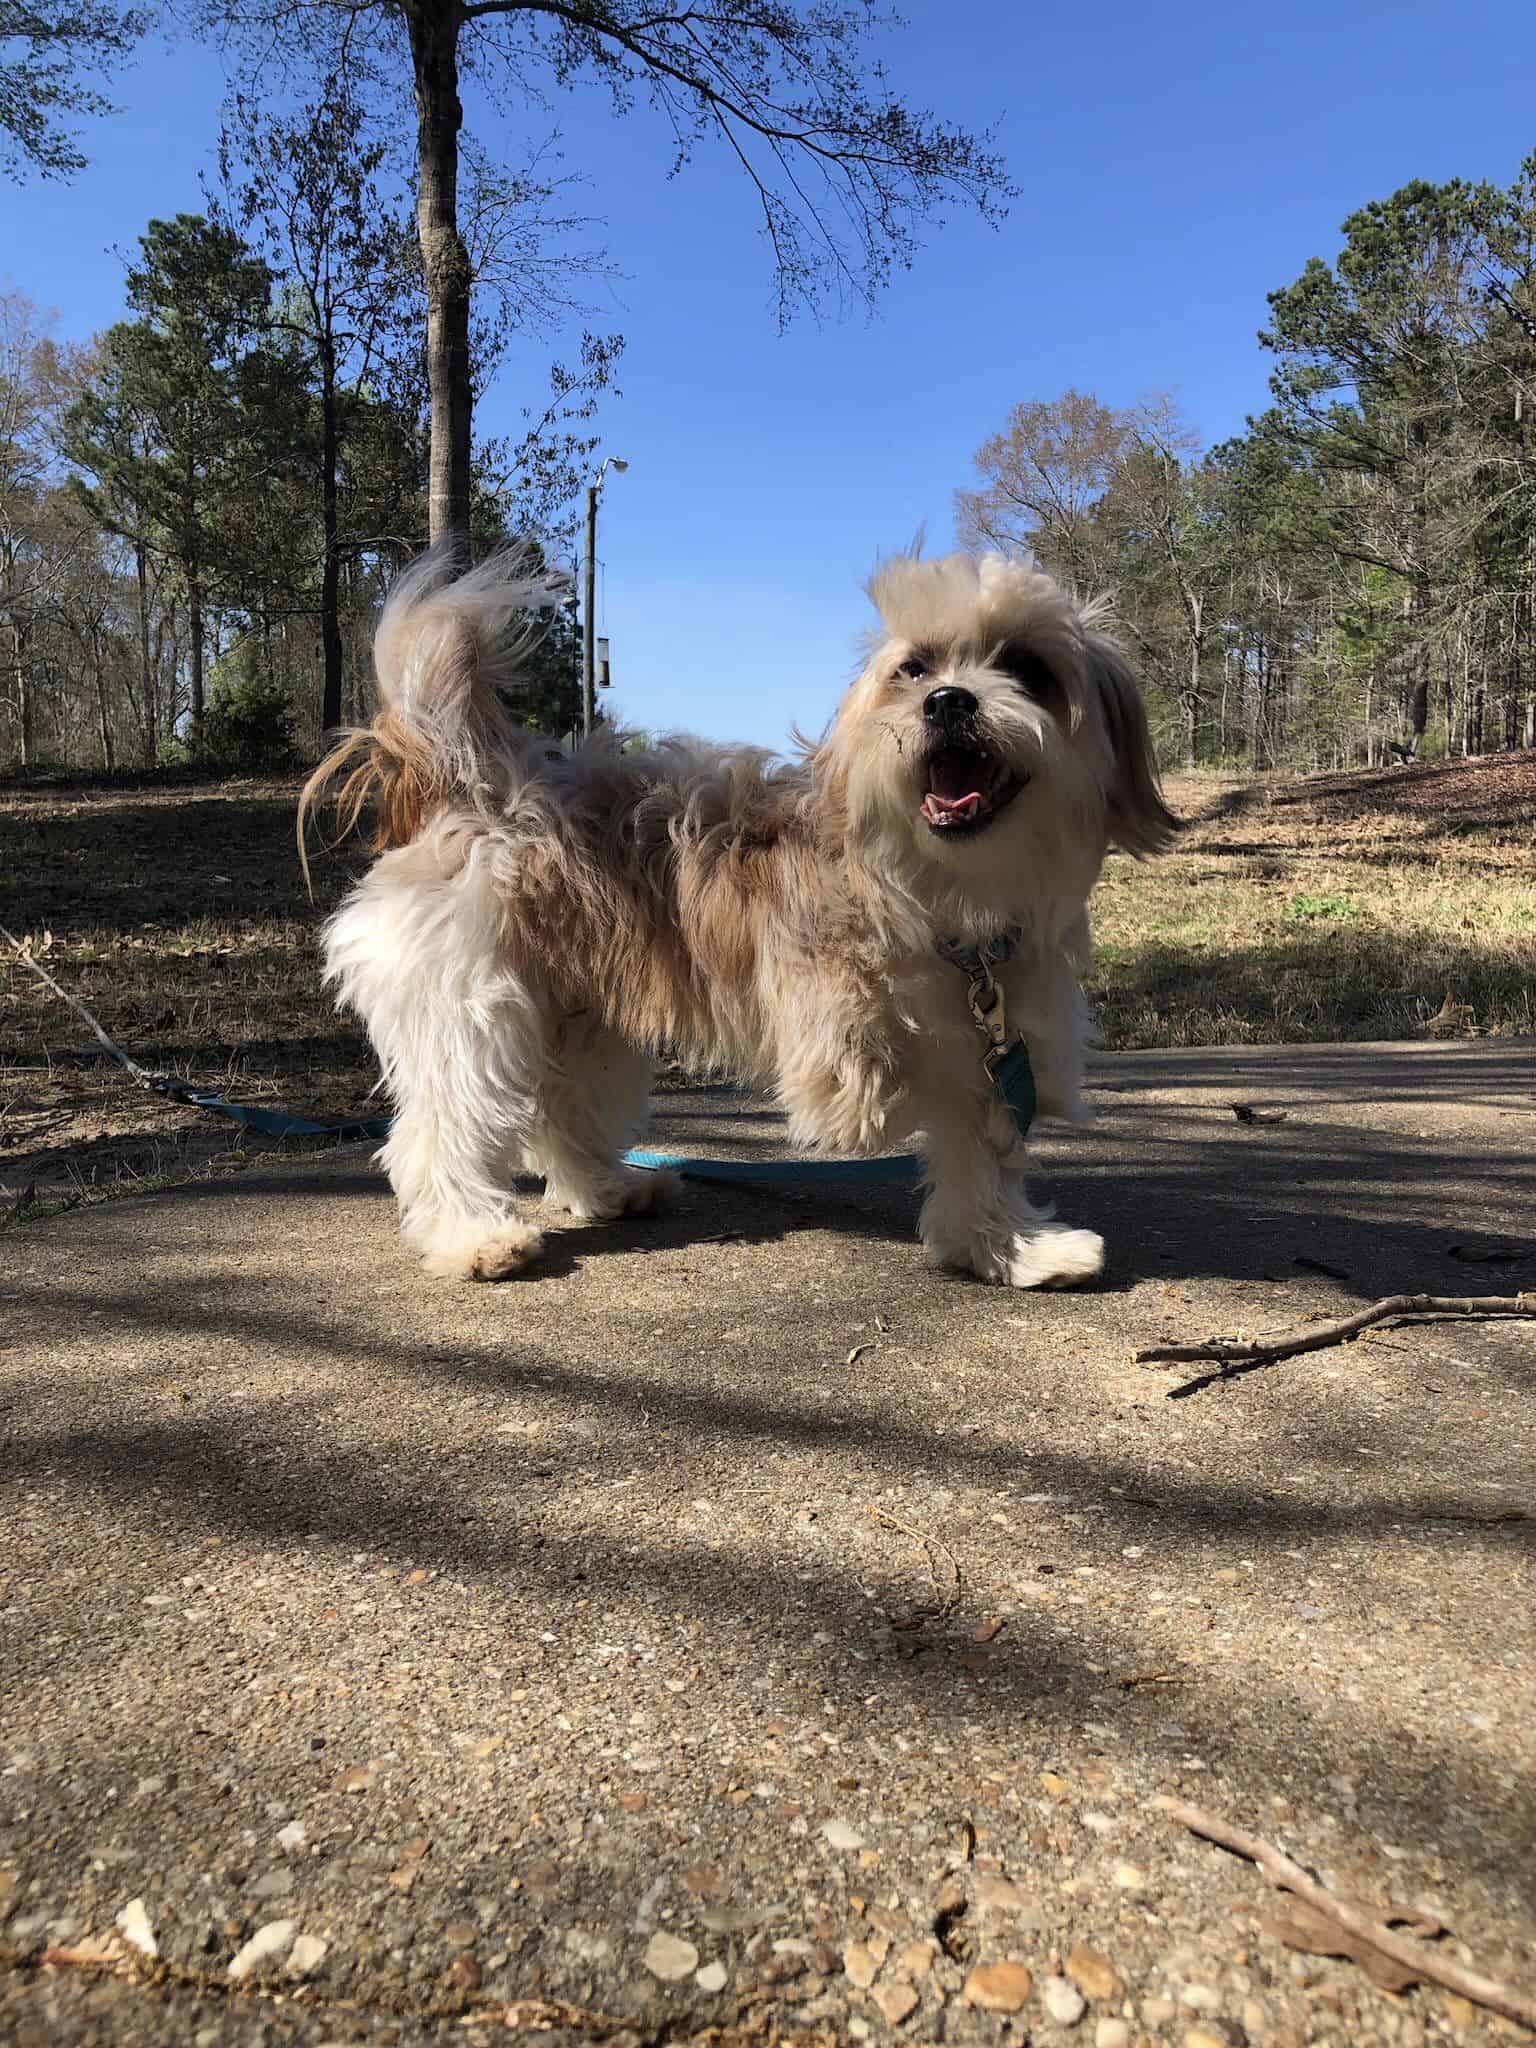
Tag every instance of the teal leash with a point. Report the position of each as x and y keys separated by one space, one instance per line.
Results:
x=1005 y=1059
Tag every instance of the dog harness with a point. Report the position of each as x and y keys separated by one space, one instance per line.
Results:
x=1005 y=1059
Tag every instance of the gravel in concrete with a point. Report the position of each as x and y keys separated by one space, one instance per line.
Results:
x=609 y=1643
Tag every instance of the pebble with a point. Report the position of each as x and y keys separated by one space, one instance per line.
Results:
x=670 y=1958
x=1202 y=2037
x=1255 y=2017
x=916 y=1959
x=896 y=2002
x=275 y=1885
x=841 y=1835
x=861 y=1965
x=306 y=1955
x=463 y=1975
x=1111 y=2034
x=1157 y=2011
x=1063 y=2001
x=1129 y=1878
x=292 y=1838
x=1094 y=1975
x=860 y=2030
x=267 y=1941
x=711 y=1977
x=460 y=1933
x=133 y=1925
x=1000 y=1895
x=1200 y=1998
x=998 y=1987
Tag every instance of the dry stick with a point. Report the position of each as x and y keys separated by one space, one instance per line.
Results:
x=1412 y=1955
x=1229 y=1350
x=933 y=1545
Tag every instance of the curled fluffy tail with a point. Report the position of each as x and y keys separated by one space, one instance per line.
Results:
x=448 y=650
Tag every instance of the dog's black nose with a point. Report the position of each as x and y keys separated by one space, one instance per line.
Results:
x=949 y=706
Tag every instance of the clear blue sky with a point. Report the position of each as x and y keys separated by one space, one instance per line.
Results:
x=1177 y=163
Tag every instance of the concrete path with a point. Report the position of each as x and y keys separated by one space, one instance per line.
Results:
x=735 y=1626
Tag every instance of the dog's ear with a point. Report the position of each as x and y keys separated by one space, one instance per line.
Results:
x=1139 y=821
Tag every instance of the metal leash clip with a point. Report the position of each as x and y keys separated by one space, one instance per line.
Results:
x=989 y=1013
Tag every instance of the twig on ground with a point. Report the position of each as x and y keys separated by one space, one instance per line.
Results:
x=934 y=1548
x=1412 y=1955
x=1231 y=1350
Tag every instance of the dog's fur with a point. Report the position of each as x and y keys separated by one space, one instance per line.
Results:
x=541 y=925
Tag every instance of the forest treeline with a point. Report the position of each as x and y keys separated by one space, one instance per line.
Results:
x=201 y=507
x=1354 y=577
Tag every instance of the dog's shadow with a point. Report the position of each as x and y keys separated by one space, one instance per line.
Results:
x=724 y=1213
x=720 y=1213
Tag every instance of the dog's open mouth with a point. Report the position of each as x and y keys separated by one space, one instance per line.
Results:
x=967 y=787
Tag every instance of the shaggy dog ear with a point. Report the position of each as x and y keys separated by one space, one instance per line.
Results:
x=1139 y=821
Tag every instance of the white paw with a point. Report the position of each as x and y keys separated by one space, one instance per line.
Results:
x=1055 y=1258
x=635 y=1191
x=650 y=1189
x=484 y=1254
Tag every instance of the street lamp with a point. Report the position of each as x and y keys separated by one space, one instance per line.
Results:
x=589 y=594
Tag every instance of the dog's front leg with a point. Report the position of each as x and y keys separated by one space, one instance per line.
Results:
x=1045 y=1001
x=977 y=1217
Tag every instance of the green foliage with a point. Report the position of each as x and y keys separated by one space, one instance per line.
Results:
x=1321 y=910
x=50 y=48
x=248 y=728
x=1356 y=572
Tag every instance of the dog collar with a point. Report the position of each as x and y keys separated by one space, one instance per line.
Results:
x=1005 y=1058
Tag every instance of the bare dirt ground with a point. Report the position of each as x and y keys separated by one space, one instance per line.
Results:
x=1375 y=906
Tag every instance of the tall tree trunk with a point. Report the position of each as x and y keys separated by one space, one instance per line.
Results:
x=151 y=720
x=1418 y=693
x=1195 y=607
x=434 y=33
x=195 y=635
x=25 y=709
x=103 y=721
x=330 y=575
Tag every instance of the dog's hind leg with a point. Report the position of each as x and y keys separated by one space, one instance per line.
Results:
x=461 y=1043
x=592 y=1107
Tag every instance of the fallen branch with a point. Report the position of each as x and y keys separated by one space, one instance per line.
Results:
x=935 y=1547
x=1230 y=1350
x=1411 y=1955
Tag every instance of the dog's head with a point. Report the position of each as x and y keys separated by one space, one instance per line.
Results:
x=993 y=725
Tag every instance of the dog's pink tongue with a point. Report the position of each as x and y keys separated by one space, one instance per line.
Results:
x=940 y=810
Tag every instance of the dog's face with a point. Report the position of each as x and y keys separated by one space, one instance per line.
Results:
x=992 y=729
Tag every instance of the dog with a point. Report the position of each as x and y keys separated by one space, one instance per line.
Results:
x=885 y=933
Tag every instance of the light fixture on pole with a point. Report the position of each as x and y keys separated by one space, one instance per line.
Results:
x=589 y=595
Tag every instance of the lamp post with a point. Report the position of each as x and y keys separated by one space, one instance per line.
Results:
x=589 y=595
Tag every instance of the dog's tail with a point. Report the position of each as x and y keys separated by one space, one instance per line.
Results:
x=446 y=657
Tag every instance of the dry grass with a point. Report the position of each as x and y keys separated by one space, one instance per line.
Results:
x=1332 y=908
x=1338 y=908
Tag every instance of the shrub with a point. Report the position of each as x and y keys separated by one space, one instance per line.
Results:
x=248 y=722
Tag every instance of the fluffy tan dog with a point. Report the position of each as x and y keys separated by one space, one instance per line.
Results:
x=849 y=932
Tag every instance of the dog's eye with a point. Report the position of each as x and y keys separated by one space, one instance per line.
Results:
x=1032 y=675
x=916 y=666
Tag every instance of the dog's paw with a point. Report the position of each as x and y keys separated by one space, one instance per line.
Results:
x=650 y=1190
x=633 y=1191
x=1055 y=1258
x=494 y=1254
